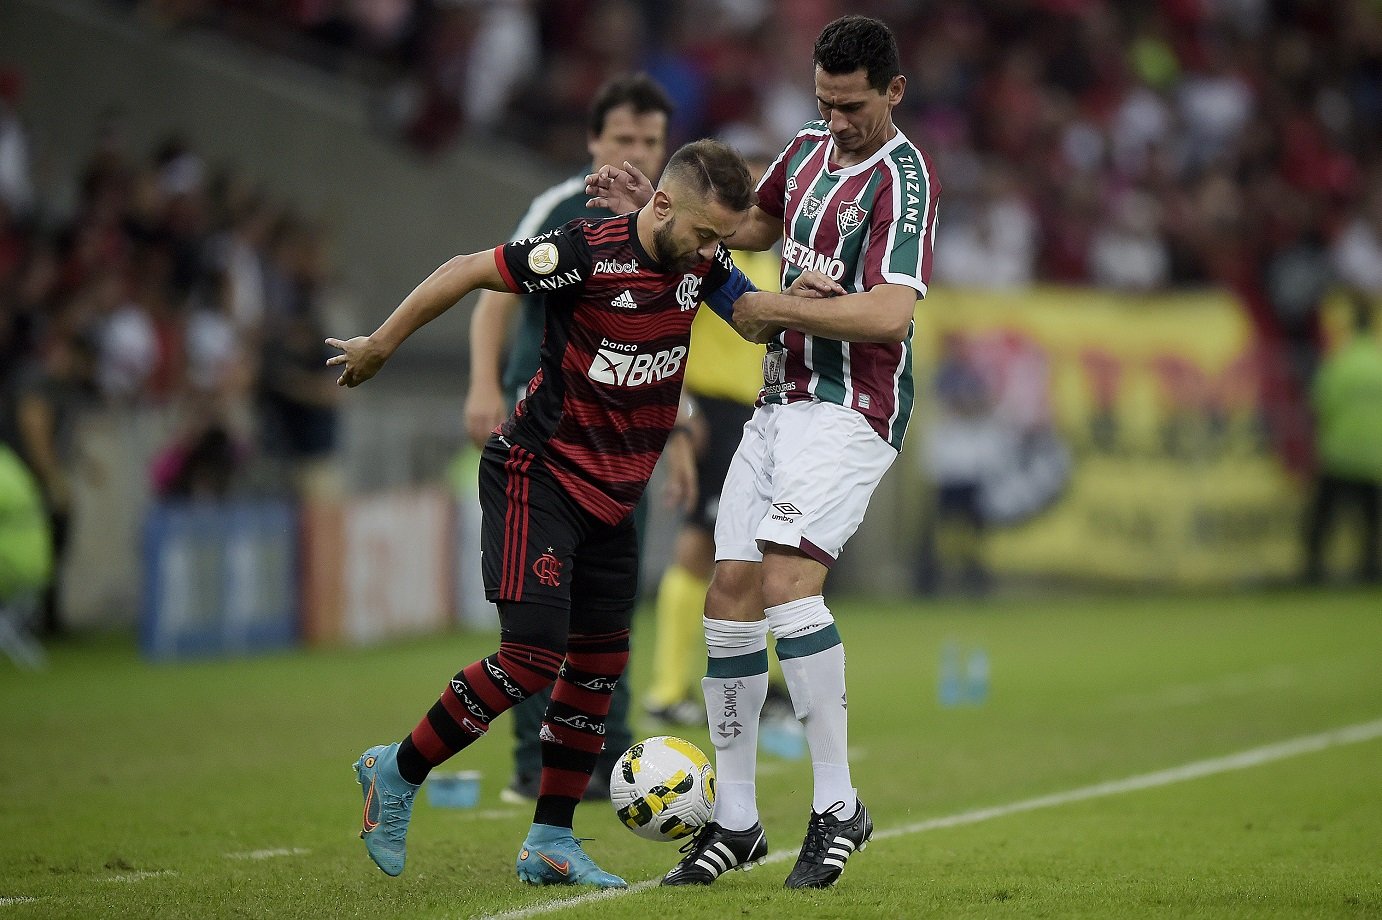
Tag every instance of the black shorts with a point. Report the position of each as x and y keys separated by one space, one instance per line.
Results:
x=725 y=420
x=539 y=546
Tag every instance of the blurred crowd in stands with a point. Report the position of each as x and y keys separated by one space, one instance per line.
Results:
x=1137 y=145
x=1132 y=145
x=1125 y=143
x=165 y=285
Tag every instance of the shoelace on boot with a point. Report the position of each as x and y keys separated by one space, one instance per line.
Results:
x=814 y=846
x=696 y=840
x=395 y=818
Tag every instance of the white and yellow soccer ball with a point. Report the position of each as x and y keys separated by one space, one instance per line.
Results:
x=663 y=788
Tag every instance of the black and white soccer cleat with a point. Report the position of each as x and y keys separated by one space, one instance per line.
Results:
x=714 y=851
x=828 y=845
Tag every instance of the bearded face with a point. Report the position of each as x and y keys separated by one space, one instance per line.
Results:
x=676 y=255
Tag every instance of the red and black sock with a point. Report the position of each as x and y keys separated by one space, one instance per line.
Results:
x=474 y=698
x=573 y=731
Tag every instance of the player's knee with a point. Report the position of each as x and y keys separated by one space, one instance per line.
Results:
x=735 y=592
x=789 y=576
x=538 y=626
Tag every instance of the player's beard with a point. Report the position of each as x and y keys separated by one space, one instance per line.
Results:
x=666 y=251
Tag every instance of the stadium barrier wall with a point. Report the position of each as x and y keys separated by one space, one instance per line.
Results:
x=244 y=577
x=220 y=580
x=379 y=567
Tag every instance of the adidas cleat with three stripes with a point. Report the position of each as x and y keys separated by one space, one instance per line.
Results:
x=828 y=845
x=714 y=851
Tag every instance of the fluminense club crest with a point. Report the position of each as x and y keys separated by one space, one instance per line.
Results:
x=850 y=216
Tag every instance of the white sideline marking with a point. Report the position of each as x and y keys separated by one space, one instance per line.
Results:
x=1227 y=687
x=21 y=899
x=138 y=876
x=1253 y=757
x=270 y=853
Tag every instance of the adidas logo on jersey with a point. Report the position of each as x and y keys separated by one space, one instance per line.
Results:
x=624 y=301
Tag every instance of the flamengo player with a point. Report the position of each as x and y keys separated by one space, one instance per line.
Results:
x=853 y=198
x=560 y=479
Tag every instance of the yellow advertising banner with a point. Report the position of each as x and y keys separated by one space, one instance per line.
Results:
x=1132 y=430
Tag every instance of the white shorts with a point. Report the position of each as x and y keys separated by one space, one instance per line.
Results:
x=802 y=477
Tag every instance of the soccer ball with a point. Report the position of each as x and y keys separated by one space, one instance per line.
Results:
x=663 y=788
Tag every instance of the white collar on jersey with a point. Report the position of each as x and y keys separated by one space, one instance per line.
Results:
x=897 y=139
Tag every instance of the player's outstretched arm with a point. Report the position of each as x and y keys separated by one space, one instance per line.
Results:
x=363 y=356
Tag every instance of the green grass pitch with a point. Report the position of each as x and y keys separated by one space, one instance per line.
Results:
x=224 y=789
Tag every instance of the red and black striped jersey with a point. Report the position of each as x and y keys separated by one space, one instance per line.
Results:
x=618 y=327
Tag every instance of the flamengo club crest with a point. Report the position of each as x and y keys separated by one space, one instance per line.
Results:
x=850 y=216
x=547 y=568
x=688 y=292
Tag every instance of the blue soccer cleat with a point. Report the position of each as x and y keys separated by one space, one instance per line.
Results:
x=388 y=807
x=553 y=856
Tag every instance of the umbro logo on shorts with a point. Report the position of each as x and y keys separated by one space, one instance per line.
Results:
x=785 y=511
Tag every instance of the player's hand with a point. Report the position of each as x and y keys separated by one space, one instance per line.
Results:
x=360 y=360
x=814 y=284
x=485 y=410
x=618 y=190
x=679 y=486
x=750 y=319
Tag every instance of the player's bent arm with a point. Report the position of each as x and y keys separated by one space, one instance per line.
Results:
x=881 y=314
x=363 y=355
x=627 y=189
x=758 y=232
x=489 y=336
x=486 y=403
x=725 y=301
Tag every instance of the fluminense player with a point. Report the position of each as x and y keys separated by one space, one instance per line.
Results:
x=851 y=197
x=560 y=478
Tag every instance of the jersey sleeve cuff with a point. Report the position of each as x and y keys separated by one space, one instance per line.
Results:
x=503 y=266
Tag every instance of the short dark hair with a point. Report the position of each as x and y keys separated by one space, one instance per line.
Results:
x=710 y=167
x=852 y=42
x=639 y=91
